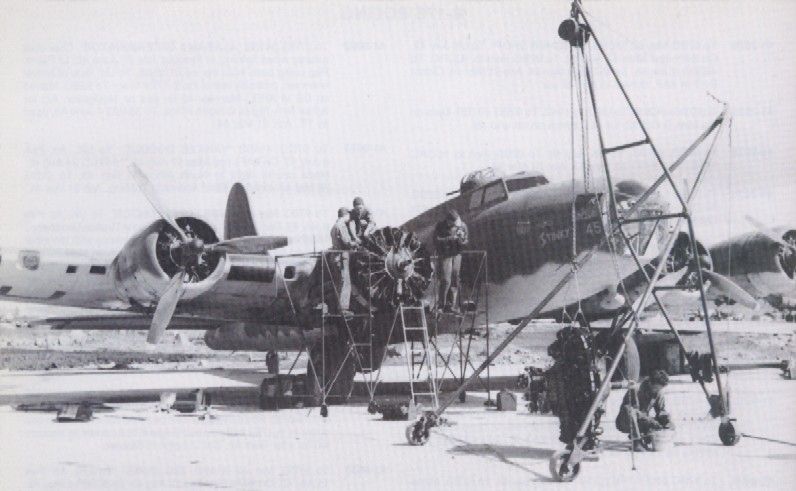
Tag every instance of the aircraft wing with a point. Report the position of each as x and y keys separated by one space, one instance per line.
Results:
x=110 y=385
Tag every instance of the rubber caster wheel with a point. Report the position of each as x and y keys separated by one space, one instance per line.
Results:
x=324 y=410
x=417 y=434
x=560 y=468
x=728 y=435
x=373 y=408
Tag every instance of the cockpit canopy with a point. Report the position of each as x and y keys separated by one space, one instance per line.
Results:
x=478 y=178
x=514 y=182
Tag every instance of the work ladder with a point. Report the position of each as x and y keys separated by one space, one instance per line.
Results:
x=420 y=359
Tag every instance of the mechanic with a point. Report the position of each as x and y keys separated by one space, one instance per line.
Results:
x=450 y=237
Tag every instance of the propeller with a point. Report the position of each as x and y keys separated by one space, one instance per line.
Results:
x=769 y=233
x=191 y=250
x=151 y=195
x=176 y=287
x=166 y=306
x=730 y=289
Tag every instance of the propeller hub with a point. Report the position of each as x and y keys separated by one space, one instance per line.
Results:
x=196 y=245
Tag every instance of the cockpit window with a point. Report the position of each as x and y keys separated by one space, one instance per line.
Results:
x=494 y=193
x=525 y=183
x=475 y=199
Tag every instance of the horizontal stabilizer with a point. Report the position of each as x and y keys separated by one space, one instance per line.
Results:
x=251 y=245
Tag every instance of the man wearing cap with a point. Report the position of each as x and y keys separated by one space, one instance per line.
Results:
x=343 y=241
x=361 y=221
x=450 y=237
x=647 y=398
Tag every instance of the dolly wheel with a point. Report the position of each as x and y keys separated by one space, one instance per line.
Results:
x=560 y=468
x=728 y=435
x=373 y=408
x=416 y=433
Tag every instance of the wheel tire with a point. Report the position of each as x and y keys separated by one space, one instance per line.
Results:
x=728 y=435
x=416 y=434
x=373 y=408
x=630 y=365
x=560 y=471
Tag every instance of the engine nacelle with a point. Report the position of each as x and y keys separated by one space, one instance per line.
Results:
x=146 y=263
x=758 y=264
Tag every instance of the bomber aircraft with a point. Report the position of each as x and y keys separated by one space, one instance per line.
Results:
x=178 y=273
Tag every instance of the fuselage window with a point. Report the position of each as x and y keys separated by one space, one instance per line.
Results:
x=494 y=193
x=290 y=273
x=71 y=269
x=97 y=270
x=525 y=183
x=475 y=199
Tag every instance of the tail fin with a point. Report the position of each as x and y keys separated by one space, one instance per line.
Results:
x=238 y=219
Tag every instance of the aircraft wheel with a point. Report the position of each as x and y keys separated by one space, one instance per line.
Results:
x=324 y=410
x=417 y=433
x=373 y=408
x=630 y=365
x=728 y=434
x=560 y=468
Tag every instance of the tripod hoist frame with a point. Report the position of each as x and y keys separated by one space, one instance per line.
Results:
x=479 y=283
x=565 y=465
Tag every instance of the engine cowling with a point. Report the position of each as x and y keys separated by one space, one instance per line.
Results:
x=758 y=264
x=149 y=259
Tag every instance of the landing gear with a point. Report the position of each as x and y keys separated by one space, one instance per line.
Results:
x=373 y=408
x=561 y=469
x=324 y=410
x=727 y=433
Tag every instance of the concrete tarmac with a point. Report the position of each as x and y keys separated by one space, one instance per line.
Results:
x=135 y=447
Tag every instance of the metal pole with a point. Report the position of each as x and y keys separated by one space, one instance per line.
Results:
x=576 y=5
x=485 y=258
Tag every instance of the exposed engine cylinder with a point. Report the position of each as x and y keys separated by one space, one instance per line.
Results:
x=150 y=258
x=393 y=267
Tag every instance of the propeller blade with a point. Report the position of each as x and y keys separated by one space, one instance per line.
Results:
x=166 y=306
x=152 y=196
x=730 y=289
x=250 y=245
x=768 y=233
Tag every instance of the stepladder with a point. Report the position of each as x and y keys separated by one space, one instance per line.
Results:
x=420 y=357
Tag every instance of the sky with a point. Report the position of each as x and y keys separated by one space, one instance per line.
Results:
x=311 y=104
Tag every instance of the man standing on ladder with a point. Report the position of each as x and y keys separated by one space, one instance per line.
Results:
x=450 y=237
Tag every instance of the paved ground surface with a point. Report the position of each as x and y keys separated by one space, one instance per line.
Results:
x=134 y=447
